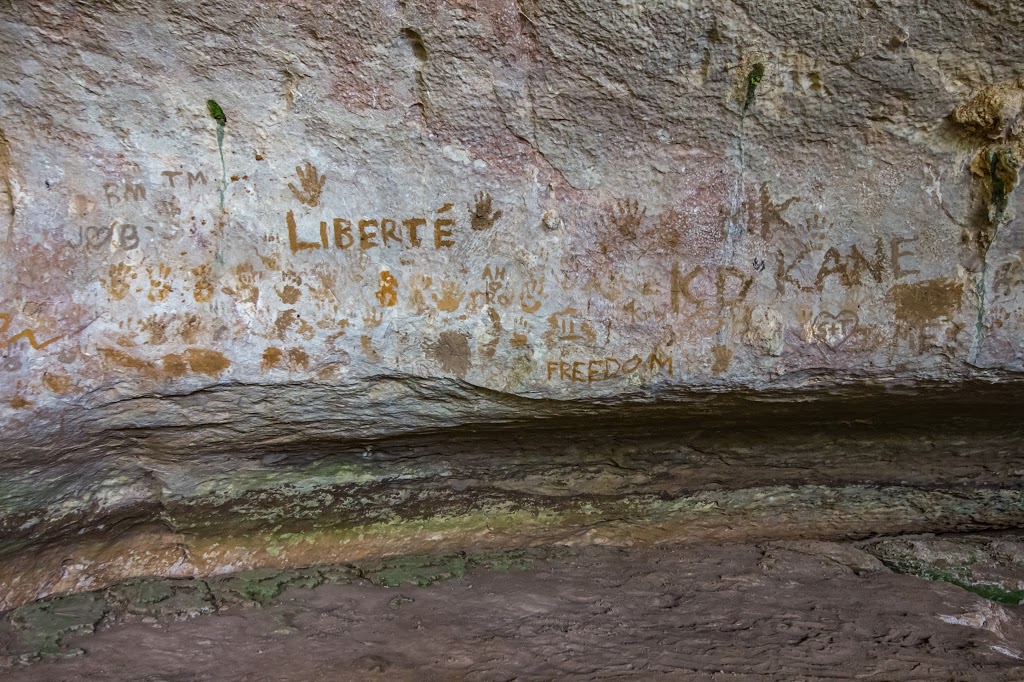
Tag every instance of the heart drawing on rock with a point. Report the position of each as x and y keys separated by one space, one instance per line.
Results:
x=834 y=330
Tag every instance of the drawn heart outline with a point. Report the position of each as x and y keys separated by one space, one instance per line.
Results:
x=834 y=330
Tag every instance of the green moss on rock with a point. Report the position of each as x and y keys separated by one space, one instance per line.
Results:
x=973 y=564
x=41 y=628
x=416 y=570
x=264 y=586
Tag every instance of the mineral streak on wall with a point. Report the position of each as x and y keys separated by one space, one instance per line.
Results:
x=228 y=230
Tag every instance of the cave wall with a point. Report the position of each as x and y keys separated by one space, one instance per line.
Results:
x=241 y=234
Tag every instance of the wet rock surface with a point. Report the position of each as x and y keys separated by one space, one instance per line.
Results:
x=786 y=610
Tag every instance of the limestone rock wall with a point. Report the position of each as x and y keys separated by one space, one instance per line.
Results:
x=563 y=199
x=264 y=223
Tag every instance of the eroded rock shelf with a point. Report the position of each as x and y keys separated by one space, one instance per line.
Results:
x=287 y=285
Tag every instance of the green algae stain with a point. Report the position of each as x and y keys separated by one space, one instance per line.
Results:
x=416 y=570
x=961 y=575
x=143 y=592
x=503 y=562
x=42 y=627
x=1004 y=176
x=263 y=586
x=996 y=593
x=424 y=570
x=160 y=598
x=217 y=114
x=990 y=591
x=753 y=80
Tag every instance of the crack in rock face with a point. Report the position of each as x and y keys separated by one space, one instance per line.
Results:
x=327 y=283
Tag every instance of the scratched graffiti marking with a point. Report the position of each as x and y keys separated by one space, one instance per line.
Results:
x=94 y=238
x=730 y=286
x=834 y=330
x=169 y=208
x=129 y=192
x=569 y=326
x=494 y=289
x=853 y=268
x=495 y=273
x=638 y=313
x=602 y=369
x=760 y=214
x=191 y=178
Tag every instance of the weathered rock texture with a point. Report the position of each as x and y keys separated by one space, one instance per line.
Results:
x=285 y=283
x=779 y=611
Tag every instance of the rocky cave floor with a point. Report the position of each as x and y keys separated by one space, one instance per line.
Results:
x=904 y=608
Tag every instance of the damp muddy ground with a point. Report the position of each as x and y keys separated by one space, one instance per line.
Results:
x=917 y=608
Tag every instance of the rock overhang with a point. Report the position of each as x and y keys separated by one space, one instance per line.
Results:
x=251 y=244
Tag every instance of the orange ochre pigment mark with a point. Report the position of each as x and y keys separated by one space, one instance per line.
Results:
x=27 y=334
x=58 y=383
x=271 y=356
x=198 y=360
x=17 y=402
x=368 y=233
